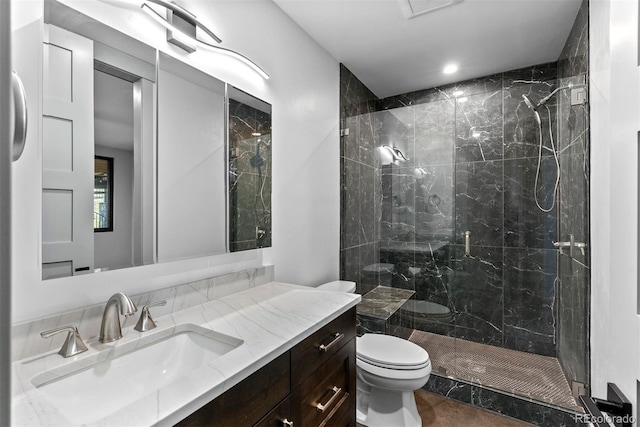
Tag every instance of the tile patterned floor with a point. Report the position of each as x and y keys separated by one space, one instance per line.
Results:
x=525 y=374
x=440 y=411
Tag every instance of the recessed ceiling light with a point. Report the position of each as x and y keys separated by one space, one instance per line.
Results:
x=450 y=69
x=458 y=93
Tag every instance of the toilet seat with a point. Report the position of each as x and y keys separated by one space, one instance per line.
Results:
x=389 y=352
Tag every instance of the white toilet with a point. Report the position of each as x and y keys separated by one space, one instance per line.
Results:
x=389 y=369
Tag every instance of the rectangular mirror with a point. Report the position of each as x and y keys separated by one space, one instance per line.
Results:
x=191 y=162
x=98 y=147
x=249 y=171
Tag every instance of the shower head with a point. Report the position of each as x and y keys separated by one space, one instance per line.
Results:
x=534 y=108
x=528 y=102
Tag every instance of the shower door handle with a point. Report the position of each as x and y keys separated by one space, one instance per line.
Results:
x=20 y=109
x=467 y=243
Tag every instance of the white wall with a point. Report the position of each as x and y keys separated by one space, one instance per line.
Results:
x=615 y=122
x=114 y=249
x=304 y=92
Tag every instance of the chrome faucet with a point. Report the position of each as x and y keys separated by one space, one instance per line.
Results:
x=110 y=330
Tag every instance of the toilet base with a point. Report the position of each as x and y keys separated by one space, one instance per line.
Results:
x=386 y=408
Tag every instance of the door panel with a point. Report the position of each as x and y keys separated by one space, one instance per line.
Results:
x=68 y=151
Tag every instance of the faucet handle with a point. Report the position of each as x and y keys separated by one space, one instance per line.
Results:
x=145 y=322
x=73 y=344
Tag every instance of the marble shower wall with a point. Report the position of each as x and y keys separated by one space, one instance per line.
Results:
x=573 y=143
x=472 y=167
x=249 y=177
x=361 y=185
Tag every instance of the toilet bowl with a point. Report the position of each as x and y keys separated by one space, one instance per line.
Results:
x=388 y=370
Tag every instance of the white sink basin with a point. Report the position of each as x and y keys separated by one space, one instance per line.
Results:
x=99 y=389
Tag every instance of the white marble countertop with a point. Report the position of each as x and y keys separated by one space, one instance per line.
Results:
x=271 y=319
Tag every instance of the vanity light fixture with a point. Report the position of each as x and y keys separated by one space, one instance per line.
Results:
x=182 y=26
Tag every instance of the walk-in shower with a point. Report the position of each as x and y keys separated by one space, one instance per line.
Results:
x=467 y=233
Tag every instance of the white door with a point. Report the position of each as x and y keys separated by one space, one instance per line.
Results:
x=614 y=94
x=67 y=154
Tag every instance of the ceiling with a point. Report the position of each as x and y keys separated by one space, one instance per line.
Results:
x=113 y=111
x=394 y=54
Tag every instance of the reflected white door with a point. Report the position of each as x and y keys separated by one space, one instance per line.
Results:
x=67 y=154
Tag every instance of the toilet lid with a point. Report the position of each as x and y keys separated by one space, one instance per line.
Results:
x=390 y=352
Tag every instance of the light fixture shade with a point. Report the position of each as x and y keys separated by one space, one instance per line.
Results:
x=181 y=31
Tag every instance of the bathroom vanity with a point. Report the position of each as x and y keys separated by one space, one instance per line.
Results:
x=282 y=353
x=310 y=385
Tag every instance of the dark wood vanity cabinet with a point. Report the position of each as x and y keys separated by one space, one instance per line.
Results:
x=313 y=384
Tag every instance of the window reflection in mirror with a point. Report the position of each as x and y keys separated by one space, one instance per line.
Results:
x=103 y=194
x=249 y=172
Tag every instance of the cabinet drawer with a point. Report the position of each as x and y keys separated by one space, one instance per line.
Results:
x=307 y=356
x=328 y=390
x=246 y=402
x=278 y=416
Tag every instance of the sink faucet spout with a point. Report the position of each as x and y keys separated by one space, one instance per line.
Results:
x=111 y=330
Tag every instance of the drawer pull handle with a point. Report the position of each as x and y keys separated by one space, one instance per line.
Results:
x=336 y=391
x=337 y=337
x=287 y=423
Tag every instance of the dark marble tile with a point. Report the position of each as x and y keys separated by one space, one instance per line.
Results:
x=440 y=384
x=400 y=324
x=399 y=189
x=573 y=131
x=366 y=142
x=529 y=345
x=522 y=409
x=434 y=133
x=479 y=202
x=370 y=325
x=369 y=255
x=400 y=331
x=476 y=293
x=479 y=127
x=395 y=101
x=521 y=129
x=351 y=219
x=537 y=73
x=574 y=58
x=574 y=204
x=353 y=93
x=525 y=225
x=529 y=297
x=382 y=302
x=350 y=143
x=368 y=228
x=350 y=266
x=573 y=319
